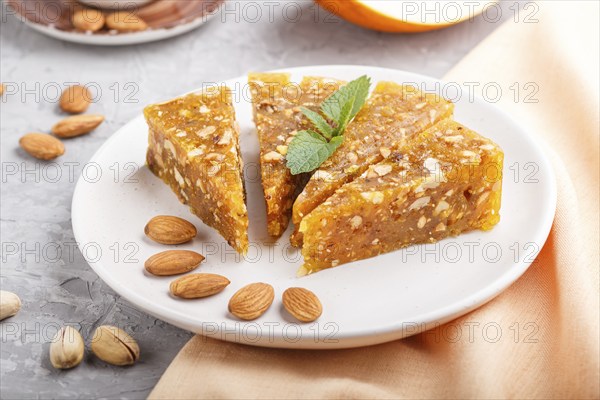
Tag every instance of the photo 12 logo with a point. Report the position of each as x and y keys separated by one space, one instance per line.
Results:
x=50 y=92
x=33 y=171
x=272 y=332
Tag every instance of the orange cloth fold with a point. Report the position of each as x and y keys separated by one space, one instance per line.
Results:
x=538 y=339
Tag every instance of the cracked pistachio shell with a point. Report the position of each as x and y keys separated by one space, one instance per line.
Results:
x=114 y=346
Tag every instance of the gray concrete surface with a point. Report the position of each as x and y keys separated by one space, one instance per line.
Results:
x=60 y=288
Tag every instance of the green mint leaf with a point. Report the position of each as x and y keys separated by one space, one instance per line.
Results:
x=334 y=143
x=308 y=150
x=361 y=92
x=345 y=117
x=354 y=92
x=319 y=122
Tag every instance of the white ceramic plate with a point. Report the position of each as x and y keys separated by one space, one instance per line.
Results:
x=121 y=39
x=366 y=302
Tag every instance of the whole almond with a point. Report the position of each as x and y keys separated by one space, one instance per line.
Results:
x=10 y=304
x=66 y=350
x=125 y=21
x=195 y=286
x=166 y=229
x=302 y=304
x=88 y=19
x=42 y=146
x=114 y=346
x=252 y=301
x=75 y=99
x=77 y=125
x=173 y=262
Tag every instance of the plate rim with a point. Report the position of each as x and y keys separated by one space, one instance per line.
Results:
x=393 y=331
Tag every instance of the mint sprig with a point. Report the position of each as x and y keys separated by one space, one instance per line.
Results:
x=310 y=148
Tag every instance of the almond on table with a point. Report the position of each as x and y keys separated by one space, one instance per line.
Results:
x=392 y=115
x=75 y=99
x=443 y=182
x=193 y=146
x=42 y=146
x=77 y=125
x=276 y=106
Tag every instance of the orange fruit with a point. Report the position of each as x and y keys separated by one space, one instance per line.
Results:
x=406 y=16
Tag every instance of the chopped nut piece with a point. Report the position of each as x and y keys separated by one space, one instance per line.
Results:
x=352 y=157
x=385 y=152
x=169 y=146
x=453 y=139
x=382 y=169
x=206 y=131
x=371 y=173
x=215 y=156
x=272 y=156
x=178 y=177
x=373 y=197
x=282 y=149
x=356 y=221
x=226 y=138
x=194 y=153
x=323 y=175
x=432 y=114
x=419 y=203
x=442 y=205
x=483 y=198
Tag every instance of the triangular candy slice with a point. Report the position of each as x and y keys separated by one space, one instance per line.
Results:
x=193 y=146
x=392 y=115
x=445 y=181
x=276 y=106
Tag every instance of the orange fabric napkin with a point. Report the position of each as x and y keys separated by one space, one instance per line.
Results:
x=549 y=319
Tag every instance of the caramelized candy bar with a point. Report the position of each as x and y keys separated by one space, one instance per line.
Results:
x=276 y=105
x=392 y=115
x=445 y=181
x=193 y=146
